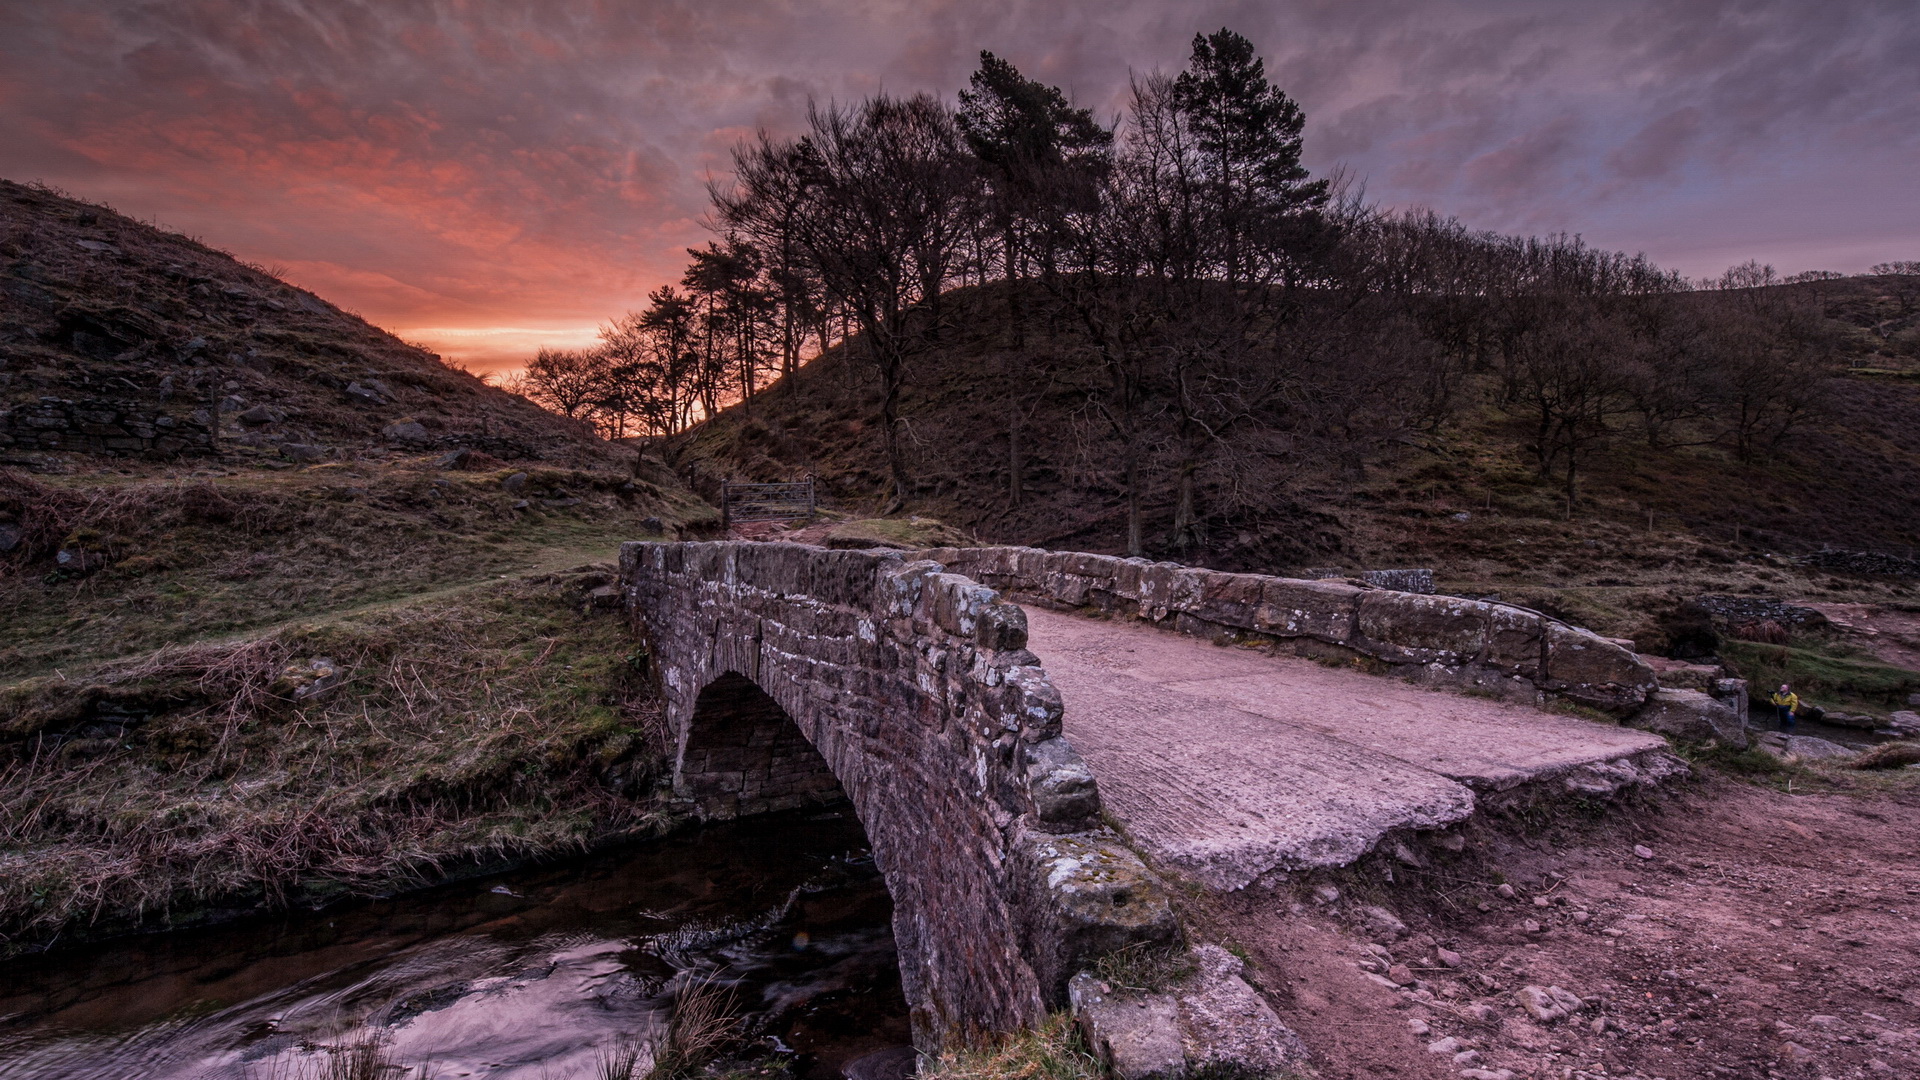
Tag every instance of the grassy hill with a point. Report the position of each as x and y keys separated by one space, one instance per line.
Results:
x=115 y=316
x=329 y=630
x=1654 y=525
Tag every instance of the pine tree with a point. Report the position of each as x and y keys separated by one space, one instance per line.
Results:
x=1249 y=133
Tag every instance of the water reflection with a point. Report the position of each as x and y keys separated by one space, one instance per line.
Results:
x=536 y=974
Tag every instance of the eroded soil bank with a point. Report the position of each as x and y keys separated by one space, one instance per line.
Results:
x=1732 y=929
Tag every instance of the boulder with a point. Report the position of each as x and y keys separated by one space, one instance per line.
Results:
x=366 y=395
x=1812 y=749
x=1851 y=720
x=1227 y=1028
x=1904 y=723
x=1691 y=716
x=304 y=453
x=406 y=431
x=261 y=414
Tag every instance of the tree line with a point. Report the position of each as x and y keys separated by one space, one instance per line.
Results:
x=1240 y=313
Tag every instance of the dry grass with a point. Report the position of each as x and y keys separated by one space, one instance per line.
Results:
x=491 y=725
x=1894 y=755
x=360 y=1056
x=703 y=1025
x=1052 y=1051
x=173 y=560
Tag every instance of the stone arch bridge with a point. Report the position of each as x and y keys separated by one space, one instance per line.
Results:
x=793 y=675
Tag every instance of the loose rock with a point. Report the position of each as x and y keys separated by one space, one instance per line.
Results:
x=1547 y=1003
x=1382 y=922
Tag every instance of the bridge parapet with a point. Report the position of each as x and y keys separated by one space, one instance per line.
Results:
x=1473 y=644
x=916 y=689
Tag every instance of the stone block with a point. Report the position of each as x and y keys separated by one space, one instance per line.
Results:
x=1061 y=787
x=1290 y=607
x=1407 y=628
x=1135 y=1036
x=1095 y=896
x=1228 y=599
x=1513 y=640
x=1001 y=627
x=1593 y=671
x=1691 y=716
x=1226 y=1027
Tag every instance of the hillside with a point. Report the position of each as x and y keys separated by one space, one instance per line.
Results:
x=150 y=343
x=292 y=611
x=1462 y=496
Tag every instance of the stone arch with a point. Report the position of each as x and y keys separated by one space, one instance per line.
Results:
x=915 y=689
x=742 y=754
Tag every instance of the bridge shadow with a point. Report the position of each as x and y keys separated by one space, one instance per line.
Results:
x=745 y=756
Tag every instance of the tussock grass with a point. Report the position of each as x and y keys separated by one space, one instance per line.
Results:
x=1894 y=755
x=1052 y=1051
x=703 y=1025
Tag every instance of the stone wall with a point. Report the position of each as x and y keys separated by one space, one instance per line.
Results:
x=101 y=427
x=915 y=688
x=1475 y=644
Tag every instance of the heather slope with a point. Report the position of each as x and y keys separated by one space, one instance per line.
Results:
x=98 y=307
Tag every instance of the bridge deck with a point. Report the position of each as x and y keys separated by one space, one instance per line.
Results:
x=1226 y=763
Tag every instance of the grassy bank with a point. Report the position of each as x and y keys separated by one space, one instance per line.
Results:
x=356 y=754
x=243 y=688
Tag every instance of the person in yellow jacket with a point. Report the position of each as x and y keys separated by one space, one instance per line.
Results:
x=1786 y=704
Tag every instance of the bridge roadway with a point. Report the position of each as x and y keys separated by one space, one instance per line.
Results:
x=1226 y=763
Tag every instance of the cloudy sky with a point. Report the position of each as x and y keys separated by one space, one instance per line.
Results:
x=487 y=176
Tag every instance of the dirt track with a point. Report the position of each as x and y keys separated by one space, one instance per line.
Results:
x=1768 y=935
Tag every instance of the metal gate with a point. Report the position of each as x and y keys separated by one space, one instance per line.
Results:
x=765 y=502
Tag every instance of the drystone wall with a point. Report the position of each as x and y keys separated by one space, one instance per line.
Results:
x=101 y=427
x=793 y=673
x=1474 y=644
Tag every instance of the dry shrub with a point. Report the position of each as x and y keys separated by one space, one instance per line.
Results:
x=1893 y=755
x=43 y=514
x=1765 y=631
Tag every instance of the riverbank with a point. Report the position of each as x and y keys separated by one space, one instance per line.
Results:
x=372 y=751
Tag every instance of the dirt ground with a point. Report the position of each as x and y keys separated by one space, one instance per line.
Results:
x=1767 y=935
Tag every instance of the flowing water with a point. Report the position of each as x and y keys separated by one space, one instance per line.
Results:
x=539 y=974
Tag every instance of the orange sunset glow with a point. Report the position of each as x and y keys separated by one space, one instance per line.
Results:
x=489 y=178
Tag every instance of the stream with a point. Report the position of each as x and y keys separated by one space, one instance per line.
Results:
x=541 y=974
